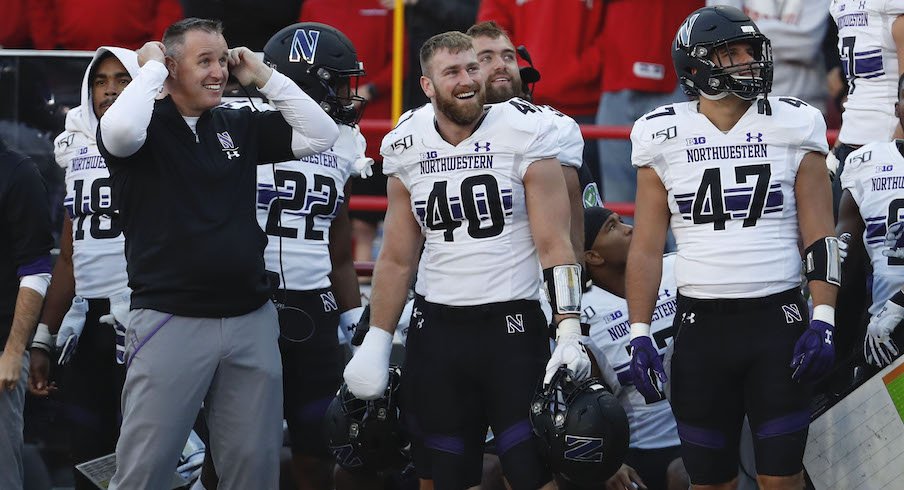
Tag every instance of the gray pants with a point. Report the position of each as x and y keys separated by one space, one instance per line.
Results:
x=174 y=363
x=11 y=425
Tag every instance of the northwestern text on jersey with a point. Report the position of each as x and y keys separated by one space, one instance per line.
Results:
x=460 y=162
x=756 y=150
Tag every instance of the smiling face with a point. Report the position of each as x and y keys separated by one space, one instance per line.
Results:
x=498 y=67
x=198 y=72
x=453 y=83
x=110 y=78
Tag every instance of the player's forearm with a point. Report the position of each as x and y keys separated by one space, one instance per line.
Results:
x=390 y=291
x=25 y=318
x=642 y=278
x=62 y=284
x=823 y=293
x=814 y=195
x=577 y=212
x=59 y=294
x=124 y=126
x=549 y=213
x=313 y=131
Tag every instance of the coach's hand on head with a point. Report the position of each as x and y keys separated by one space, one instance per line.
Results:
x=247 y=68
x=152 y=50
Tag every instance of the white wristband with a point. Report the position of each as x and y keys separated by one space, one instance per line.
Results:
x=824 y=313
x=43 y=339
x=640 y=329
x=380 y=339
x=568 y=326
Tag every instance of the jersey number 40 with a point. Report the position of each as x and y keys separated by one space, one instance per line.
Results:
x=479 y=202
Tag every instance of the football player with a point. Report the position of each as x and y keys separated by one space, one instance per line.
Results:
x=502 y=79
x=302 y=205
x=871 y=43
x=481 y=188
x=89 y=278
x=871 y=203
x=741 y=179
x=654 y=448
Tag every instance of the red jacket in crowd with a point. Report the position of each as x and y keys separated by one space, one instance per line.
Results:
x=13 y=27
x=563 y=39
x=88 y=24
x=369 y=27
x=637 y=39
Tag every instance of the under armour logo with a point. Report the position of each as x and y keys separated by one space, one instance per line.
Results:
x=688 y=317
x=417 y=314
x=478 y=147
x=758 y=137
x=515 y=323
x=828 y=339
x=230 y=154
x=792 y=313
x=329 y=301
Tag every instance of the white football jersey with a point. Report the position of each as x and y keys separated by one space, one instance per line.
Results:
x=469 y=200
x=731 y=194
x=870 y=63
x=652 y=426
x=571 y=143
x=570 y=140
x=297 y=209
x=98 y=245
x=874 y=175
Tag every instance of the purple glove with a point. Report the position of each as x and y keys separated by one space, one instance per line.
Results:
x=646 y=367
x=814 y=352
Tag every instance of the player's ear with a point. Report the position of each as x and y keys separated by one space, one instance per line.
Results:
x=592 y=257
x=898 y=110
x=427 y=87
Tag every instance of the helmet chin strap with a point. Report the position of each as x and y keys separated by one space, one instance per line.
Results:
x=718 y=96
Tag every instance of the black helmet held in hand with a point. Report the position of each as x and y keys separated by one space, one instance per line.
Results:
x=705 y=31
x=366 y=435
x=582 y=428
x=323 y=62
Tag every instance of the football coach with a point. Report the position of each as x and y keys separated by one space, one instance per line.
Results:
x=201 y=328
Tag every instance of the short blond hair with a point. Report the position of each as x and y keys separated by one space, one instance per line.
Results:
x=452 y=41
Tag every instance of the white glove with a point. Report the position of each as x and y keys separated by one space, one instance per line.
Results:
x=832 y=164
x=119 y=320
x=843 y=241
x=878 y=347
x=893 y=236
x=363 y=167
x=569 y=351
x=347 y=322
x=71 y=328
x=367 y=374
